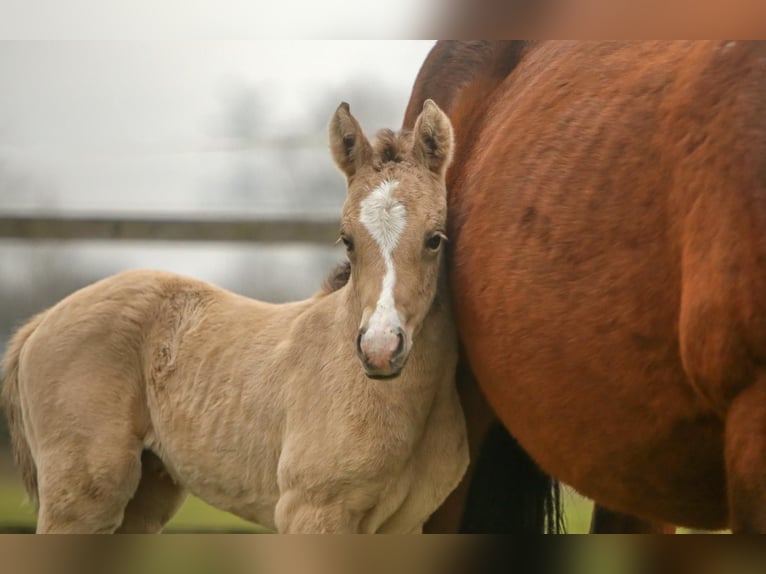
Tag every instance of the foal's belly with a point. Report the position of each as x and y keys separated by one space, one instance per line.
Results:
x=225 y=478
x=219 y=459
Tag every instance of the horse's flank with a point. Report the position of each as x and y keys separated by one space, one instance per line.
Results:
x=607 y=231
x=512 y=494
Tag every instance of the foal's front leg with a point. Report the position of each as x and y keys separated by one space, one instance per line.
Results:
x=297 y=513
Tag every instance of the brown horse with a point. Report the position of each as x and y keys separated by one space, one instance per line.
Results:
x=608 y=265
x=145 y=385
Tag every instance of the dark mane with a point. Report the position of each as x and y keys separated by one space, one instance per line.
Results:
x=337 y=278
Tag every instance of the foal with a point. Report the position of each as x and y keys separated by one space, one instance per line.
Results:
x=142 y=386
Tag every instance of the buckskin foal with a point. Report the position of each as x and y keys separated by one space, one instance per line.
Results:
x=142 y=386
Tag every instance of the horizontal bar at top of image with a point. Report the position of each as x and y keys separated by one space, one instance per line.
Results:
x=257 y=229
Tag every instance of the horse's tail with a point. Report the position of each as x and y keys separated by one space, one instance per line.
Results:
x=509 y=494
x=11 y=402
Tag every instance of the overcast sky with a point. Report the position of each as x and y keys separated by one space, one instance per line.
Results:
x=148 y=125
x=143 y=126
x=213 y=19
x=72 y=94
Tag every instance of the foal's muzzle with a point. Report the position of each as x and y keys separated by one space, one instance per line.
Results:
x=383 y=354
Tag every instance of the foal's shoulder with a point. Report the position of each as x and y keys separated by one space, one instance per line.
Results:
x=153 y=279
x=152 y=283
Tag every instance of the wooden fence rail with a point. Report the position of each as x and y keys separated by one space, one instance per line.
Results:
x=317 y=230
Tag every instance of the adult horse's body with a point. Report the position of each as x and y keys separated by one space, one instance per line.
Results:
x=144 y=385
x=608 y=264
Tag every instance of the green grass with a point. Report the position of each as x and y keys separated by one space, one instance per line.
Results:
x=14 y=507
x=194 y=514
x=577 y=512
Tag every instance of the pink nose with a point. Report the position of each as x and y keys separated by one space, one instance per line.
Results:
x=381 y=352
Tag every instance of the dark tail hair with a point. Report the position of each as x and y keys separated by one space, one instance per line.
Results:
x=509 y=494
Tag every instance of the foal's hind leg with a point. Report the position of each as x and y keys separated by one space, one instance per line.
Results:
x=156 y=500
x=85 y=485
x=746 y=459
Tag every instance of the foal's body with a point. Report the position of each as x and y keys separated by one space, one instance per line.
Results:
x=259 y=409
x=246 y=403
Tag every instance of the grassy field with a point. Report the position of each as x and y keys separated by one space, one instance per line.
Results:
x=195 y=514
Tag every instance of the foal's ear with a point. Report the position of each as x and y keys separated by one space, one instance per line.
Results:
x=350 y=148
x=433 y=138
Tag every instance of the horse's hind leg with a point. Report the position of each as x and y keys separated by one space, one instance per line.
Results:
x=746 y=458
x=85 y=485
x=156 y=500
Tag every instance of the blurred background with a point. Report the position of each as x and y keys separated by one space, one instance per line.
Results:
x=181 y=130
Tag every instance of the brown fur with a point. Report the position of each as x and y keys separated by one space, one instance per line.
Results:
x=608 y=269
x=453 y=66
x=144 y=385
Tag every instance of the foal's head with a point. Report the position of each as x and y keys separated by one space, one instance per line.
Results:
x=393 y=226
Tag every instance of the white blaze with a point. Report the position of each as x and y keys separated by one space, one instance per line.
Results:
x=384 y=217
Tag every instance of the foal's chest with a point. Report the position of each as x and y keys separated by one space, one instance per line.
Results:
x=433 y=471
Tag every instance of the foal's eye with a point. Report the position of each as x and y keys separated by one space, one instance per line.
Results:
x=434 y=242
x=348 y=242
